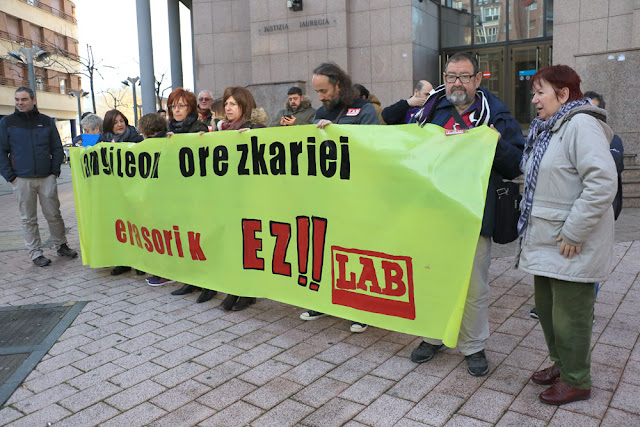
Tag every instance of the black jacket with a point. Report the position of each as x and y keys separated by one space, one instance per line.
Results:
x=30 y=146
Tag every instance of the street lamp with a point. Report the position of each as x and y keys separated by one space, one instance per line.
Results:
x=79 y=93
x=28 y=55
x=133 y=81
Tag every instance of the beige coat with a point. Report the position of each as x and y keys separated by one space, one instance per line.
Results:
x=577 y=182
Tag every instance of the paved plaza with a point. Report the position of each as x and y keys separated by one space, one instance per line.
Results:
x=137 y=355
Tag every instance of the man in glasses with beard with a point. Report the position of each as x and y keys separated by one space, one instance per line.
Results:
x=461 y=104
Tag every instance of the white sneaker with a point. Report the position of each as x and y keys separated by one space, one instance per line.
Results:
x=312 y=315
x=358 y=327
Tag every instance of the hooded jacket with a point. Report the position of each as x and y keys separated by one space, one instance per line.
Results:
x=259 y=119
x=304 y=114
x=577 y=181
x=30 y=146
x=377 y=106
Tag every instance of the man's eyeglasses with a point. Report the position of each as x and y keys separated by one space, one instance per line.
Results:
x=204 y=99
x=451 y=78
x=177 y=106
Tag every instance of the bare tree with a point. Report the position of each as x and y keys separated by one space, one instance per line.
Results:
x=116 y=98
x=160 y=93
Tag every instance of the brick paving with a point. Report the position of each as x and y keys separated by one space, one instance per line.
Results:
x=139 y=356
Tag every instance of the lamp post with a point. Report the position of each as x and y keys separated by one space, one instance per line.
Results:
x=79 y=93
x=28 y=55
x=133 y=81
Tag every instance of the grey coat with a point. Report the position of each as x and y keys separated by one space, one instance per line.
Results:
x=577 y=182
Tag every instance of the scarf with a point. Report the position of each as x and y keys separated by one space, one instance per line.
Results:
x=183 y=126
x=480 y=116
x=227 y=125
x=536 y=145
x=130 y=134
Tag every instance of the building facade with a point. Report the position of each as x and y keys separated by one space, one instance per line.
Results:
x=388 y=45
x=51 y=26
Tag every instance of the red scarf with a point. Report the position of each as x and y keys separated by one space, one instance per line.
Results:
x=227 y=125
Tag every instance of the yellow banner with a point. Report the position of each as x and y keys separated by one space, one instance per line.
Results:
x=376 y=224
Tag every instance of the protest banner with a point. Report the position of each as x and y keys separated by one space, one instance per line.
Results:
x=376 y=224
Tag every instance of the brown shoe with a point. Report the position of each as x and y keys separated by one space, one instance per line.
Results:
x=546 y=376
x=561 y=393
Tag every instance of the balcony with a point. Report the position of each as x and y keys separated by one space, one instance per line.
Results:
x=50 y=47
x=51 y=10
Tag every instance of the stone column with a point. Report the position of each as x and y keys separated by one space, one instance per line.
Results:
x=175 y=46
x=145 y=47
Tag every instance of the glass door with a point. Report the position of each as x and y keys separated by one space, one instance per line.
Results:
x=525 y=62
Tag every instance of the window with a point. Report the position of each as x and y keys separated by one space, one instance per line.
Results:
x=63 y=86
x=40 y=84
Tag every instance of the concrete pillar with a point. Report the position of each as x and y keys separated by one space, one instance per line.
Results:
x=175 y=45
x=145 y=47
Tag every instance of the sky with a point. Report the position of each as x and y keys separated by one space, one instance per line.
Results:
x=110 y=27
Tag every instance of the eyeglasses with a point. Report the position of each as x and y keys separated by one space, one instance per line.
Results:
x=205 y=99
x=177 y=106
x=451 y=78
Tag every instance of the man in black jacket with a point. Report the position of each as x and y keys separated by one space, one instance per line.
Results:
x=30 y=158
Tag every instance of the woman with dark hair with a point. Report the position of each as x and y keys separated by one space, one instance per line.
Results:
x=116 y=128
x=240 y=110
x=566 y=225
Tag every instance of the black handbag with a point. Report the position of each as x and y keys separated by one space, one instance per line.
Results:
x=507 y=212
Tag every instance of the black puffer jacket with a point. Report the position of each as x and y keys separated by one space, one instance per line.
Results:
x=30 y=146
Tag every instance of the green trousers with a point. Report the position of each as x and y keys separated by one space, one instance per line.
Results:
x=565 y=310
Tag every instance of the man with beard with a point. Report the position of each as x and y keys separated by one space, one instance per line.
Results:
x=459 y=104
x=340 y=104
x=297 y=110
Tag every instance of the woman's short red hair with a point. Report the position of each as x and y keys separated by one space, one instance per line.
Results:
x=177 y=95
x=559 y=76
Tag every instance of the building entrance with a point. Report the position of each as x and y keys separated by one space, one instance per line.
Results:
x=507 y=72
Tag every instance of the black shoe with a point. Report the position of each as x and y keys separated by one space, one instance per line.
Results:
x=477 y=364
x=228 y=303
x=119 y=270
x=64 y=250
x=424 y=352
x=206 y=295
x=41 y=261
x=533 y=313
x=186 y=289
x=243 y=302
x=140 y=273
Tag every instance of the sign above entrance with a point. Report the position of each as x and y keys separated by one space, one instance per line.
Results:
x=297 y=24
x=486 y=74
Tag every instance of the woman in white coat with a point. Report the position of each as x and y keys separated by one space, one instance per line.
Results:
x=566 y=225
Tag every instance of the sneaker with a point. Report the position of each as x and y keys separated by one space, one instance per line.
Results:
x=65 y=250
x=358 y=327
x=158 y=281
x=477 y=364
x=424 y=352
x=41 y=261
x=533 y=313
x=311 y=315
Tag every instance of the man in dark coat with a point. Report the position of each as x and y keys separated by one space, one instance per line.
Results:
x=459 y=100
x=30 y=158
x=297 y=110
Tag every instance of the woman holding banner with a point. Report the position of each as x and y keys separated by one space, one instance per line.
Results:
x=183 y=118
x=240 y=110
x=566 y=225
x=116 y=128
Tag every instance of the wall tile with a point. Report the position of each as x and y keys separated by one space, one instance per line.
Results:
x=278 y=43
x=242 y=46
x=381 y=27
x=360 y=63
x=593 y=9
x=593 y=36
x=380 y=63
x=619 y=35
x=221 y=12
x=239 y=13
x=566 y=11
x=203 y=46
x=360 y=29
x=401 y=22
x=261 y=69
x=202 y=19
x=317 y=38
x=280 y=67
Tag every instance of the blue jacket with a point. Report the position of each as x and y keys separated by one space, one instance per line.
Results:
x=506 y=163
x=30 y=146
